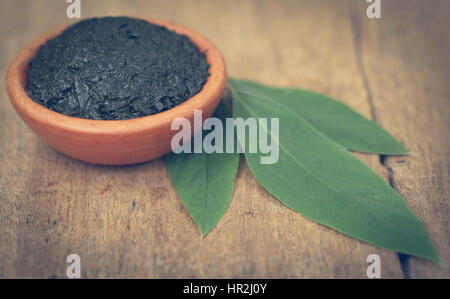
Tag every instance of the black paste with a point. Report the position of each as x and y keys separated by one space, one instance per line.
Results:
x=116 y=68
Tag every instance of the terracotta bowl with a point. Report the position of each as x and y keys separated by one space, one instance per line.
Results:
x=113 y=142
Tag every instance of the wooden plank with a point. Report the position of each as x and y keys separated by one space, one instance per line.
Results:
x=128 y=221
x=407 y=63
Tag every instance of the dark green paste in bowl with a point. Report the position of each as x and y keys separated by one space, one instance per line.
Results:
x=116 y=68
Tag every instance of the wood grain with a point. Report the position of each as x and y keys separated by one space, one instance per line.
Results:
x=408 y=68
x=128 y=221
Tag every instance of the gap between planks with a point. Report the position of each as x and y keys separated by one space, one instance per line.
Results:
x=355 y=24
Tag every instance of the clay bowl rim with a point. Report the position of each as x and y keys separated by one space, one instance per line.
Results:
x=213 y=89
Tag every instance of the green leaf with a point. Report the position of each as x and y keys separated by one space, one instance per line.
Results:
x=333 y=118
x=320 y=179
x=204 y=181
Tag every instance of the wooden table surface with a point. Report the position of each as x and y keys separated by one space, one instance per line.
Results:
x=128 y=221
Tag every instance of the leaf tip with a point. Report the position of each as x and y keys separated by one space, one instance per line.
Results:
x=204 y=232
x=436 y=259
x=401 y=150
